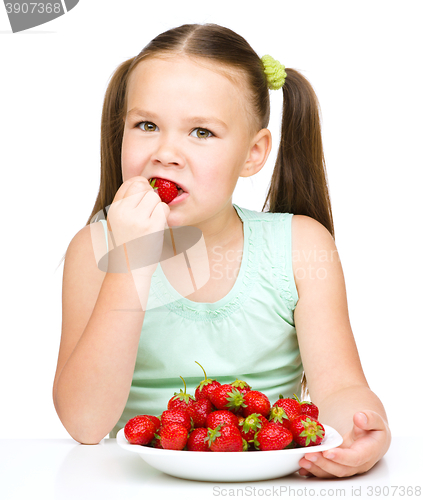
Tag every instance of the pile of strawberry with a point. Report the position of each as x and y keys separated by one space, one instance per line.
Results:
x=228 y=417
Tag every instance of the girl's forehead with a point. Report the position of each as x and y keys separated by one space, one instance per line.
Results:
x=191 y=65
x=178 y=85
x=195 y=75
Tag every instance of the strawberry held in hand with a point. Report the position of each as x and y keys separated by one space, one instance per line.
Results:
x=167 y=190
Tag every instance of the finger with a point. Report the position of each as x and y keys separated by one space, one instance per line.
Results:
x=350 y=457
x=369 y=420
x=150 y=205
x=311 y=469
x=325 y=468
x=163 y=209
x=160 y=213
x=304 y=472
x=138 y=187
x=125 y=186
x=364 y=422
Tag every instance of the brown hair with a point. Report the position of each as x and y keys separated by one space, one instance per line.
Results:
x=298 y=184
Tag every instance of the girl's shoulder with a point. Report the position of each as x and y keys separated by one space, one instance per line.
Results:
x=81 y=259
x=313 y=251
x=88 y=245
x=307 y=230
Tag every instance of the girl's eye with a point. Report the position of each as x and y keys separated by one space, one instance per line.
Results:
x=147 y=126
x=202 y=133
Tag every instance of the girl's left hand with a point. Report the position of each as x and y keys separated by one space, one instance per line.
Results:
x=363 y=446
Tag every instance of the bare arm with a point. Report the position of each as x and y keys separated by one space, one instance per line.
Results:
x=331 y=362
x=103 y=314
x=99 y=343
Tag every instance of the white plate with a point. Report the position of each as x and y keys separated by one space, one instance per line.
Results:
x=228 y=467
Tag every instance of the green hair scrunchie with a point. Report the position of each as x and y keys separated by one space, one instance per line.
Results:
x=274 y=71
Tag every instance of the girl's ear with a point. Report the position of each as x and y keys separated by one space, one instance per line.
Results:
x=260 y=148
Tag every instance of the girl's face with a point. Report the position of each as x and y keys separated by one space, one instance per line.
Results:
x=187 y=123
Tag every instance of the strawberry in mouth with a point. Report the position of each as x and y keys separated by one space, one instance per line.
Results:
x=167 y=190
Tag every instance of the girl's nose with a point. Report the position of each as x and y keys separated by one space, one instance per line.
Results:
x=168 y=153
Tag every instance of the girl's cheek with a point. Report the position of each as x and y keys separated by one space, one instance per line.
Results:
x=132 y=161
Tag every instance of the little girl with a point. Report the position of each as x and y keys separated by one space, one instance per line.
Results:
x=193 y=108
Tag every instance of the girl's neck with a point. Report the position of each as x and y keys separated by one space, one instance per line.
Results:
x=222 y=233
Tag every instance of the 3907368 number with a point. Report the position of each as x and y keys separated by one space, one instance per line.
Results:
x=394 y=491
x=33 y=7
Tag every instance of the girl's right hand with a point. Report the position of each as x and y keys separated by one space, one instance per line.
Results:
x=137 y=211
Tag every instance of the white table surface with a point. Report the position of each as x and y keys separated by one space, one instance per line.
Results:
x=64 y=469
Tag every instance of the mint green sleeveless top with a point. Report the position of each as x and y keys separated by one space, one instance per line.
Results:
x=249 y=334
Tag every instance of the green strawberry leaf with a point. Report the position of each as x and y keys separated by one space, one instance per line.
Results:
x=235 y=400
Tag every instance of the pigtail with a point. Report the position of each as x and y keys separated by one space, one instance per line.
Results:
x=299 y=182
x=112 y=126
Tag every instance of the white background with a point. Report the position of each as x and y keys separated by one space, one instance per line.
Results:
x=363 y=59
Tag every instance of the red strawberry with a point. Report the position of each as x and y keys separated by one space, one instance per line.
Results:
x=290 y=406
x=242 y=386
x=308 y=408
x=181 y=400
x=155 y=420
x=197 y=440
x=227 y=397
x=256 y=402
x=307 y=431
x=206 y=387
x=167 y=190
x=176 y=417
x=139 y=430
x=225 y=438
x=156 y=443
x=221 y=417
x=272 y=436
x=248 y=426
x=173 y=437
x=199 y=412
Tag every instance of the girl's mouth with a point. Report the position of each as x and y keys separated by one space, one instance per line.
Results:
x=182 y=195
